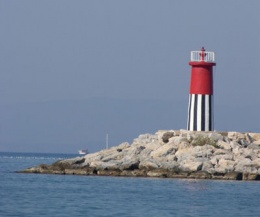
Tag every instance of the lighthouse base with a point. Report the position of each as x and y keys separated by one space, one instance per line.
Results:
x=200 y=112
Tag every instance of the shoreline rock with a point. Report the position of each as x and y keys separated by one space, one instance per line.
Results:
x=171 y=154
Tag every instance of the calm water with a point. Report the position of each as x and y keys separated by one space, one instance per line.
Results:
x=57 y=195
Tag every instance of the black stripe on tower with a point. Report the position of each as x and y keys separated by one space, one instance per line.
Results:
x=195 y=112
x=210 y=113
x=203 y=113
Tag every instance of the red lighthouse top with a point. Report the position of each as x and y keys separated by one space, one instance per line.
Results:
x=201 y=73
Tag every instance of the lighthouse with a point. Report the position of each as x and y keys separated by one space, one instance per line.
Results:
x=200 y=110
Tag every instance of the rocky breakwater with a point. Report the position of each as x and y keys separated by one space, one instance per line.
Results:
x=172 y=154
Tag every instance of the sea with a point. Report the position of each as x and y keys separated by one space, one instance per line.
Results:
x=35 y=195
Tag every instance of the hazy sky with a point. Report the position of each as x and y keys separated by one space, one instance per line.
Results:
x=63 y=50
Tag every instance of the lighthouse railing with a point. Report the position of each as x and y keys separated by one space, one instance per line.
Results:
x=196 y=56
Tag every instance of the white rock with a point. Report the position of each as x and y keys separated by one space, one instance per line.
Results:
x=164 y=150
x=215 y=136
x=145 y=139
x=207 y=165
x=257 y=142
x=216 y=158
x=184 y=154
x=148 y=164
x=255 y=136
x=245 y=165
x=153 y=146
x=225 y=166
x=256 y=163
x=236 y=135
x=221 y=152
x=224 y=145
x=191 y=166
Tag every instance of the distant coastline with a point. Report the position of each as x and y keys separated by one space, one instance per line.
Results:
x=171 y=154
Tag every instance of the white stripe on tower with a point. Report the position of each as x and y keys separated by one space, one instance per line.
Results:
x=199 y=112
x=191 y=112
x=211 y=112
x=188 y=121
x=207 y=112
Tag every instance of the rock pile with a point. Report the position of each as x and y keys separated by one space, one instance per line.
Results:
x=173 y=154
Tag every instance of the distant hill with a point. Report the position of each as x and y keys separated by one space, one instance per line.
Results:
x=66 y=126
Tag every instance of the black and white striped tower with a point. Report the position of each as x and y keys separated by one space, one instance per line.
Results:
x=200 y=112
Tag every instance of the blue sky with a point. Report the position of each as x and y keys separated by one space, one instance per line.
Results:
x=132 y=50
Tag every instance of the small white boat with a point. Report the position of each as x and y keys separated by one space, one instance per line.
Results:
x=85 y=151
